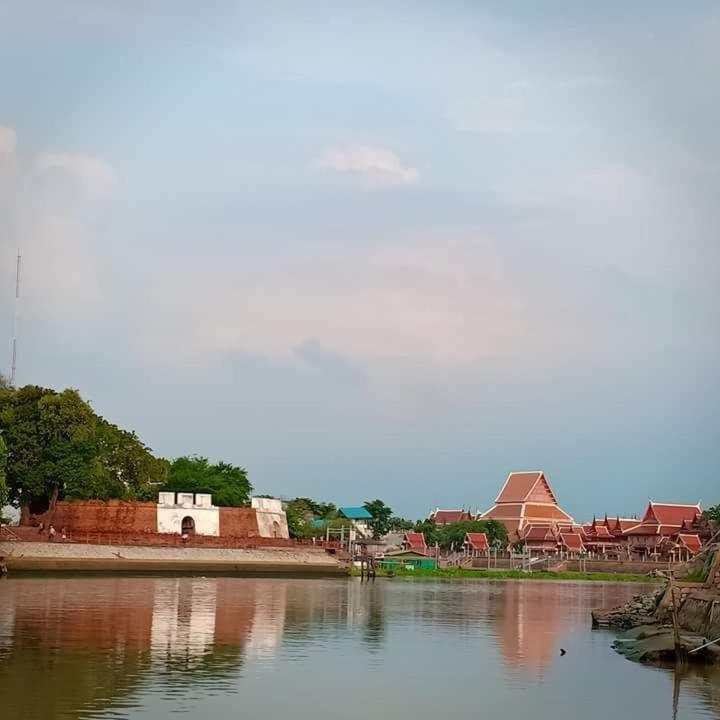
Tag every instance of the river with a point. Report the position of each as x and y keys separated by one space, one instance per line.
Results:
x=215 y=648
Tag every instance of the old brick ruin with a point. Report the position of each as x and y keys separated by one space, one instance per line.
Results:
x=81 y=517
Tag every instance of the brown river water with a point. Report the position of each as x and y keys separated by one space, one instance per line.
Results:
x=207 y=648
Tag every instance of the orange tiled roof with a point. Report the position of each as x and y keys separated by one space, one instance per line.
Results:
x=539 y=532
x=670 y=514
x=445 y=517
x=692 y=542
x=545 y=512
x=572 y=541
x=478 y=541
x=416 y=541
x=523 y=487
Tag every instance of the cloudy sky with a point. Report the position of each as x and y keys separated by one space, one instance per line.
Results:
x=376 y=249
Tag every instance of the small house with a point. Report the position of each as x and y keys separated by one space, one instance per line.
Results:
x=359 y=517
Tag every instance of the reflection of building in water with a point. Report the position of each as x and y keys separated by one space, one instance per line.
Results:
x=7 y=626
x=268 y=623
x=529 y=623
x=183 y=623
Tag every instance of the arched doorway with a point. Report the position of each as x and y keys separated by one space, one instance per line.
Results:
x=188 y=526
x=276 y=529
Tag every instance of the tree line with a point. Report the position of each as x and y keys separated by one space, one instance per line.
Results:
x=54 y=446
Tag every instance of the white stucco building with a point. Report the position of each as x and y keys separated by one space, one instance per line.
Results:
x=271 y=518
x=187 y=513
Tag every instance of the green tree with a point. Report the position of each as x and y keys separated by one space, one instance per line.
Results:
x=712 y=515
x=430 y=530
x=381 y=515
x=453 y=535
x=129 y=465
x=398 y=523
x=228 y=484
x=58 y=447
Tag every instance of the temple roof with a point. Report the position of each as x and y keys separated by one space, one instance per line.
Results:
x=478 y=541
x=526 y=487
x=445 y=517
x=692 y=542
x=572 y=541
x=416 y=542
x=670 y=514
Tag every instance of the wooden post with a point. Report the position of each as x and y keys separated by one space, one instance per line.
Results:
x=679 y=651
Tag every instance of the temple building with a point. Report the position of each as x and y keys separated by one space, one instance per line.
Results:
x=446 y=517
x=526 y=500
x=657 y=534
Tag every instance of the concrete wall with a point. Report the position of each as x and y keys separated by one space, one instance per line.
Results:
x=207 y=520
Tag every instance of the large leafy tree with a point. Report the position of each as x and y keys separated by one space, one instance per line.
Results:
x=129 y=464
x=58 y=447
x=381 y=517
x=228 y=484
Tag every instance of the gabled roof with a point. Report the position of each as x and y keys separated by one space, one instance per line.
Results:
x=539 y=533
x=670 y=514
x=354 y=513
x=416 y=541
x=601 y=531
x=445 y=517
x=477 y=541
x=526 y=487
x=572 y=541
x=692 y=542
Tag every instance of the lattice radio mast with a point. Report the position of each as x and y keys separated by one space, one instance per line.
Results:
x=13 y=367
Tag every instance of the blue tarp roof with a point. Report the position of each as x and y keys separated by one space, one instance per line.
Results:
x=355 y=513
x=318 y=523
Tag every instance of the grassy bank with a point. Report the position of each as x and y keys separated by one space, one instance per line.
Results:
x=463 y=574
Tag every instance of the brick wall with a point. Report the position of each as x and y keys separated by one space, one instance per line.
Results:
x=103 y=516
x=238 y=522
x=82 y=517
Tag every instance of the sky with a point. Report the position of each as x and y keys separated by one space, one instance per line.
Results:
x=375 y=249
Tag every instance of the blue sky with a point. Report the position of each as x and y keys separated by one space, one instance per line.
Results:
x=373 y=249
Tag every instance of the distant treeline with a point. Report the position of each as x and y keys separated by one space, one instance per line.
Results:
x=54 y=446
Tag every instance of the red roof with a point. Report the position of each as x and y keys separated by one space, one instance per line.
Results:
x=668 y=514
x=602 y=532
x=445 y=517
x=692 y=542
x=477 y=541
x=572 y=541
x=539 y=533
x=416 y=541
x=526 y=487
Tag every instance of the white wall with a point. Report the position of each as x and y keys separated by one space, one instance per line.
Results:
x=271 y=518
x=207 y=520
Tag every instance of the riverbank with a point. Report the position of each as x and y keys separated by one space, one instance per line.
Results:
x=51 y=557
x=465 y=574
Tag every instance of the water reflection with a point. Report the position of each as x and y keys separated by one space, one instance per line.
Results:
x=152 y=647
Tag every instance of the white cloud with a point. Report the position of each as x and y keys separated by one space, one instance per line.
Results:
x=93 y=173
x=377 y=164
x=49 y=205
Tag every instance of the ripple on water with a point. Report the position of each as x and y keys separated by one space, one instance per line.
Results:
x=149 y=647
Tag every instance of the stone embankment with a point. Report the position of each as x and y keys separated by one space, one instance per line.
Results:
x=51 y=557
x=641 y=610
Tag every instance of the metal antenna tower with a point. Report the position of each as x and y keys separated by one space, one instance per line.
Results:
x=13 y=367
